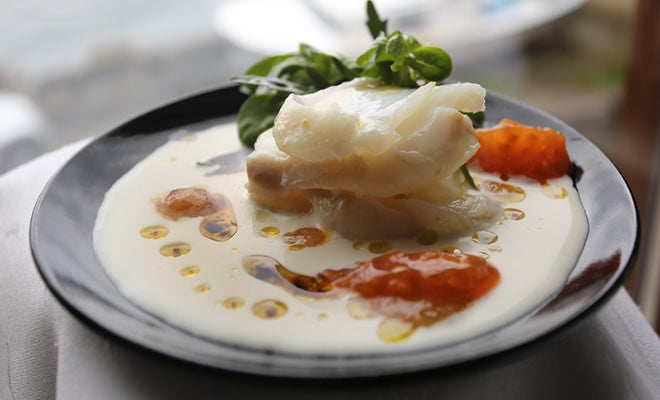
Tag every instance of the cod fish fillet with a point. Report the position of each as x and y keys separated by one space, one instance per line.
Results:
x=374 y=161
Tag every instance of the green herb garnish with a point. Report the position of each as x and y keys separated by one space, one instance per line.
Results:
x=394 y=59
x=477 y=118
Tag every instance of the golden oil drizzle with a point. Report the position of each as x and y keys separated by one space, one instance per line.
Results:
x=302 y=286
x=221 y=225
x=173 y=159
x=176 y=249
x=154 y=232
x=394 y=330
x=232 y=303
x=322 y=316
x=427 y=238
x=513 y=214
x=190 y=271
x=269 y=231
x=359 y=245
x=269 y=309
x=555 y=192
x=203 y=288
x=380 y=247
x=502 y=192
x=484 y=237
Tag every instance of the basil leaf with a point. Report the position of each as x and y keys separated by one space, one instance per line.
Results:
x=432 y=63
x=318 y=80
x=270 y=82
x=258 y=114
x=376 y=46
x=385 y=73
x=382 y=54
x=412 y=43
x=289 y=67
x=477 y=118
x=374 y=23
x=397 y=48
x=348 y=69
x=402 y=78
x=371 y=72
x=263 y=67
x=396 y=45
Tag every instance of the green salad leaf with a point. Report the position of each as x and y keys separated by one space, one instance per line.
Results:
x=394 y=59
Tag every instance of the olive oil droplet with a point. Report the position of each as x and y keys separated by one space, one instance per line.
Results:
x=269 y=231
x=233 y=303
x=513 y=214
x=395 y=330
x=154 y=232
x=452 y=250
x=555 y=192
x=359 y=245
x=269 y=309
x=176 y=249
x=380 y=247
x=203 y=288
x=484 y=237
x=503 y=192
x=189 y=272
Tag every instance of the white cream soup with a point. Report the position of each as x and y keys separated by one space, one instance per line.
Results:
x=171 y=270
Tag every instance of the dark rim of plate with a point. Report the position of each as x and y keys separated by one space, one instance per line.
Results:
x=211 y=106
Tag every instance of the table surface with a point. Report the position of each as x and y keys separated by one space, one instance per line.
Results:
x=46 y=353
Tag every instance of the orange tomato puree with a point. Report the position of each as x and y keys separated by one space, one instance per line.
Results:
x=511 y=148
x=421 y=288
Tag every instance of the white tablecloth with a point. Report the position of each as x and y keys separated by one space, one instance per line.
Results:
x=46 y=353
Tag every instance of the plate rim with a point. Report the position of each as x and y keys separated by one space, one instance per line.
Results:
x=48 y=275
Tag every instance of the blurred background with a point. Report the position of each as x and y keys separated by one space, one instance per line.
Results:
x=73 y=69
